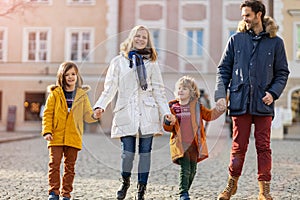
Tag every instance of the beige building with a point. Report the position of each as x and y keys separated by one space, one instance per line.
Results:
x=190 y=36
x=35 y=38
x=288 y=16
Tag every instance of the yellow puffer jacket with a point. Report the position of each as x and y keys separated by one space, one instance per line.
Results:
x=66 y=127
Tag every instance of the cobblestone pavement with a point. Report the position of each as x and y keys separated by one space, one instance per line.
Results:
x=23 y=170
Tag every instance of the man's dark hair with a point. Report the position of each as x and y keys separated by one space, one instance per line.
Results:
x=256 y=6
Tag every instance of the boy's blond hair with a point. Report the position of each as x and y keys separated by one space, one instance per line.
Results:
x=189 y=82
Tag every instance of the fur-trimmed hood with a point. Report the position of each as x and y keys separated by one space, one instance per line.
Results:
x=269 y=24
x=52 y=87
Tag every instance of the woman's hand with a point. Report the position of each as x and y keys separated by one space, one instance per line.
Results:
x=97 y=113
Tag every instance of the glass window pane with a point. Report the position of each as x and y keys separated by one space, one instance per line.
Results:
x=231 y=32
x=86 y=36
x=43 y=35
x=190 y=43
x=199 y=42
x=1 y=44
x=31 y=36
x=155 y=35
x=298 y=43
x=0 y=105
x=32 y=106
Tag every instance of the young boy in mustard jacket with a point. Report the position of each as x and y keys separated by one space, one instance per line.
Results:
x=188 y=139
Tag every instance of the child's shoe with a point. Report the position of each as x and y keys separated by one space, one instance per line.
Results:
x=184 y=196
x=53 y=196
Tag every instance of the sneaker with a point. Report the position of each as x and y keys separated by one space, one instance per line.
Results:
x=53 y=196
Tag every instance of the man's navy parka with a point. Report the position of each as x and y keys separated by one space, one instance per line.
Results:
x=252 y=65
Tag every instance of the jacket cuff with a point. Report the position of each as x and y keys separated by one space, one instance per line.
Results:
x=46 y=134
x=273 y=95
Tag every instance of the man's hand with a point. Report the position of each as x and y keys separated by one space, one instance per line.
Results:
x=268 y=99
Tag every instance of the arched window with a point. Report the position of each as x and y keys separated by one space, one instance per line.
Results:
x=295 y=105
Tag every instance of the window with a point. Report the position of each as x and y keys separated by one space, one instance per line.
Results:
x=81 y=2
x=80 y=43
x=37 y=45
x=0 y=105
x=298 y=42
x=231 y=32
x=32 y=106
x=3 y=44
x=295 y=105
x=155 y=34
x=194 y=45
x=41 y=1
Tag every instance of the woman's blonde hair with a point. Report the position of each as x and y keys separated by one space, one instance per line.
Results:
x=127 y=45
x=63 y=68
x=188 y=82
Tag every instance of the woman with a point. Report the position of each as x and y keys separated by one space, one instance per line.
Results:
x=141 y=103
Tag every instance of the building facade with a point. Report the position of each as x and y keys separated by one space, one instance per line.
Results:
x=190 y=36
x=288 y=13
x=35 y=38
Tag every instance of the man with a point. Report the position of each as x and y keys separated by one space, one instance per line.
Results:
x=254 y=68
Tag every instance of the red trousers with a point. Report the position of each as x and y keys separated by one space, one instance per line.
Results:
x=55 y=155
x=240 y=141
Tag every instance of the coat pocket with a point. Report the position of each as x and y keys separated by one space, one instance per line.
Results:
x=237 y=97
x=261 y=107
x=151 y=110
x=122 y=116
x=176 y=149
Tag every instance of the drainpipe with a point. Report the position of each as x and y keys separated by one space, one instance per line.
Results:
x=271 y=8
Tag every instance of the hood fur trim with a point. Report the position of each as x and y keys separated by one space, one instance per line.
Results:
x=52 y=87
x=269 y=23
x=86 y=88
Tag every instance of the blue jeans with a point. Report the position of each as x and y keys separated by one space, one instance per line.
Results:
x=128 y=144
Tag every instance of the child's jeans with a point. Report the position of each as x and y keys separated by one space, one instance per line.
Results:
x=55 y=155
x=188 y=169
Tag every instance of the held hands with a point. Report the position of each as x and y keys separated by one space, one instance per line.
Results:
x=268 y=99
x=221 y=105
x=97 y=113
x=170 y=119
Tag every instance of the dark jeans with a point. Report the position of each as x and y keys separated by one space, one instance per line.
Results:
x=240 y=141
x=188 y=169
x=128 y=144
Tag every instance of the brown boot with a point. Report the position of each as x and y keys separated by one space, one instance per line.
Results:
x=264 y=190
x=230 y=188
